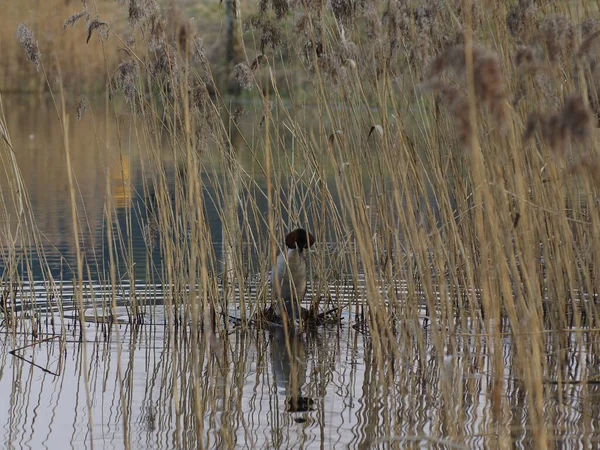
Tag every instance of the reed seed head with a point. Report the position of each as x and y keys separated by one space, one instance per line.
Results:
x=271 y=36
x=30 y=45
x=524 y=56
x=520 y=19
x=165 y=62
x=576 y=117
x=199 y=54
x=588 y=43
x=238 y=113
x=125 y=79
x=396 y=19
x=589 y=26
x=572 y=124
x=373 y=23
x=456 y=102
x=344 y=10
x=142 y=10
x=243 y=75
x=199 y=97
x=75 y=18
x=263 y=6
x=557 y=36
x=280 y=7
x=97 y=25
x=490 y=88
x=150 y=233
x=156 y=36
x=590 y=31
x=81 y=107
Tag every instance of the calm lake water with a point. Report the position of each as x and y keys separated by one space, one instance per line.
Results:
x=100 y=166
x=156 y=386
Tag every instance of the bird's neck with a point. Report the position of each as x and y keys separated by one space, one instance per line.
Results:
x=295 y=254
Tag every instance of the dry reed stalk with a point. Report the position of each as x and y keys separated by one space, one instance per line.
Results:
x=424 y=223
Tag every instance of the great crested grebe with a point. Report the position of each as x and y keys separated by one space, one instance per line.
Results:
x=288 y=277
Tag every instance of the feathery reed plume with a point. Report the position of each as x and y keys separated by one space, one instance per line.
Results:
x=308 y=26
x=263 y=6
x=280 y=7
x=165 y=62
x=125 y=78
x=238 y=113
x=424 y=21
x=150 y=233
x=100 y=26
x=456 y=38
x=29 y=44
x=590 y=59
x=156 y=32
x=142 y=10
x=336 y=63
x=456 y=103
x=270 y=34
x=81 y=107
x=199 y=98
x=372 y=18
x=75 y=18
x=243 y=75
x=339 y=75
x=267 y=107
x=489 y=86
x=588 y=43
x=520 y=19
x=344 y=11
x=530 y=60
x=409 y=24
x=311 y=48
x=524 y=57
x=199 y=54
x=572 y=124
x=589 y=26
x=557 y=37
x=530 y=66
x=396 y=20
x=588 y=49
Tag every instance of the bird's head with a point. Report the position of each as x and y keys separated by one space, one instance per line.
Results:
x=299 y=239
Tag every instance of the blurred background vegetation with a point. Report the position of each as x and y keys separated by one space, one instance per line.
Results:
x=84 y=65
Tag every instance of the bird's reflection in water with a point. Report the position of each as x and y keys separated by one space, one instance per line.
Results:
x=288 y=357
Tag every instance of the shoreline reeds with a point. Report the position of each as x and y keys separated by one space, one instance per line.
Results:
x=451 y=169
